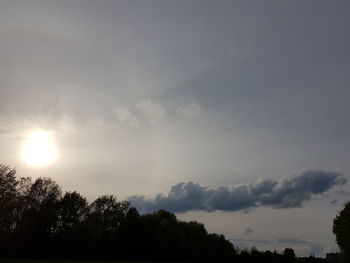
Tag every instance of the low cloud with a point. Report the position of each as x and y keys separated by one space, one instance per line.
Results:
x=262 y=241
x=317 y=249
x=334 y=202
x=248 y=231
x=301 y=247
x=288 y=192
x=292 y=241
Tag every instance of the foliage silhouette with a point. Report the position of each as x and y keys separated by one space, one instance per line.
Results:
x=38 y=221
x=289 y=255
x=341 y=229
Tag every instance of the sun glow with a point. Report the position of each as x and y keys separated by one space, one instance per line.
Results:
x=39 y=148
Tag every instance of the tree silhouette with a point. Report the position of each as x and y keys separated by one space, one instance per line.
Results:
x=106 y=215
x=103 y=222
x=8 y=194
x=341 y=229
x=37 y=221
x=73 y=210
x=289 y=255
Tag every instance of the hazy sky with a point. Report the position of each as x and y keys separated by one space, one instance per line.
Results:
x=232 y=113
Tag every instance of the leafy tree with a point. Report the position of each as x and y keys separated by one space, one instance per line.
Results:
x=129 y=229
x=341 y=229
x=43 y=191
x=71 y=236
x=106 y=215
x=103 y=223
x=8 y=194
x=73 y=210
x=8 y=183
x=38 y=216
x=36 y=221
x=214 y=248
x=43 y=198
x=289 y=255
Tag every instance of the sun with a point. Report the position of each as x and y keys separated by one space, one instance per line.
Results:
x=39 y=148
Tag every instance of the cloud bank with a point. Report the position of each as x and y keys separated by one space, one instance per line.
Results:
x=287 y=192
x=300 y=246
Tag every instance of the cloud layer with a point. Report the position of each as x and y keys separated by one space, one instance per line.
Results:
x=290 y=191
x=300 y=246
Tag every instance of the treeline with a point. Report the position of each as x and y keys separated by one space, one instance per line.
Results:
x=38 y=220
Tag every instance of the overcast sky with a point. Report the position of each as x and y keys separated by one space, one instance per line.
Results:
x=232 y=113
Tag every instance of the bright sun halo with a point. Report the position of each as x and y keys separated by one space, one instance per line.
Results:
x=39 y=148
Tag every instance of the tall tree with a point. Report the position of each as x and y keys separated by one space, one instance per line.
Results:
x=106 y=215
x=8 y=194
x=288 y=255
x=341 y=229
x=73 y=210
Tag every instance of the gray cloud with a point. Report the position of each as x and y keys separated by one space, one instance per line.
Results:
x=317 y=249
x=298 y=245
x=151 y=109
x=290 y=191
x=189 y=110
x=292 y=241
x=262 y=241
x=125 y=116
x=248 y=231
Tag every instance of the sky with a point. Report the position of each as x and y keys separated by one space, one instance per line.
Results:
x=231 y=113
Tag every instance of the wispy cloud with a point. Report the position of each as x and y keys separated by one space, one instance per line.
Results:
x=189 y=110
x=125 y=116
x=151 y=109
x=292 y=241
x=288 y=192
x=16 y=125
x=262 y=241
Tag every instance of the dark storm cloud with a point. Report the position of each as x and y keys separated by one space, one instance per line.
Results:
x=288 y=192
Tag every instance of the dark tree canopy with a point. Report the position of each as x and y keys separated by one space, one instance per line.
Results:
x=37 y=220
x=8 y=196
x=289 y=255
x=341 y=229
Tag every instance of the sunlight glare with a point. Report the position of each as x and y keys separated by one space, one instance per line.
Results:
x=39 y=148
